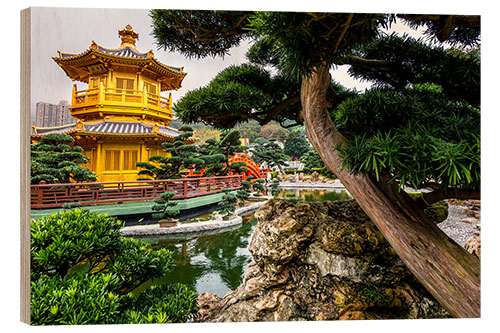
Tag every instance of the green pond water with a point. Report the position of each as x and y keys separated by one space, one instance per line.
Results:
x=217 y=262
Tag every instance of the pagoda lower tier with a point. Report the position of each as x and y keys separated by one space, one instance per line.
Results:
x=114 y=147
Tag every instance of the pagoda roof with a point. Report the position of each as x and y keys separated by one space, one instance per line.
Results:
x=110 y=128
x=79 y=66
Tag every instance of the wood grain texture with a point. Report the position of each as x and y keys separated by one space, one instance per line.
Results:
x=25 y=163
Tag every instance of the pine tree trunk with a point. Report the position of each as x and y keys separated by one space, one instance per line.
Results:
x=445 y=269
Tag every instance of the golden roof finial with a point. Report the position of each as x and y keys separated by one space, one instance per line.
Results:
x=129 y=36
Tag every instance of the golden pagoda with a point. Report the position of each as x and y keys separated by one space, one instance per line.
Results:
x=121 y=118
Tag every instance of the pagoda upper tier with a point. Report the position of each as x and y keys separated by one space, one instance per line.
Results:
x=124 y=84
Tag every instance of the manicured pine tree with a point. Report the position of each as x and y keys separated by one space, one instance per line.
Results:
x=273 y=155
x=213 y=159
x=162 y=205
x=418 y=126
x=229 y=145
x=182 y=155
x=244 y=192
x=217 y=153
x=228 y=202
x=55 y=161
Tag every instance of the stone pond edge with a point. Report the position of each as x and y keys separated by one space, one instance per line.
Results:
x=195 y=227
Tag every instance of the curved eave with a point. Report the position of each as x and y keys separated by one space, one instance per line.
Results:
x=74 y=132
x=72 y=62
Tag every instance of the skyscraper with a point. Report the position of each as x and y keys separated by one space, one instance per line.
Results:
x=50 y=115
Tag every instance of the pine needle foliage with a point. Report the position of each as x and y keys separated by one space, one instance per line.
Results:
x=179 y=155
x=419 y=123
x=164 y=206
x=272 y=154
x=56 y=161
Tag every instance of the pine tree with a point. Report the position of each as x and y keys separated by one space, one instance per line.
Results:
x=244 y=192
x=418 y=126
x=228 y=202
x=312 y=160
x=182 y=155
x=55 y=161
x=296 y=145
x=272 y=154
x=217 y=153
x=162 y=205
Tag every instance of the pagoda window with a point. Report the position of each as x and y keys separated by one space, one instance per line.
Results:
x=129 y=159
x=122 y=83
x=94 y=83
x=150 y=88
x=112 y=160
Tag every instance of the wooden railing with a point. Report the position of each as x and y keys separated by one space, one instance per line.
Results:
x=104 y=95
x=55 y=195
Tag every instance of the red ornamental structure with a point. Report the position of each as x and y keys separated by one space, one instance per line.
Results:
x=252 y=168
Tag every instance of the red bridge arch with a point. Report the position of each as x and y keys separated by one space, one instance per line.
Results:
x=253 y=169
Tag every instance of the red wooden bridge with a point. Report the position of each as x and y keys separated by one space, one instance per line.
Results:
x=55 y=195
x=252 y=168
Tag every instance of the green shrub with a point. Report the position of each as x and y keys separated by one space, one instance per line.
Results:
x=82 y=272
x=80 y=300
x=291 y=172
x=228 y=203
x=162 y=304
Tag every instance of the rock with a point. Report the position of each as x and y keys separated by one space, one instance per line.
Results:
x=314 y=176
x=320 y=261
x=471 y=220
x=473 y=244
x=437 y=212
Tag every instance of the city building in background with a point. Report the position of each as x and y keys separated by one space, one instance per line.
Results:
x=51 y=115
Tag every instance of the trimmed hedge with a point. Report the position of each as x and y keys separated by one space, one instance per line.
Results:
x=83 y=272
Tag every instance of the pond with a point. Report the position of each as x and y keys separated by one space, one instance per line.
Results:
x=217 y=262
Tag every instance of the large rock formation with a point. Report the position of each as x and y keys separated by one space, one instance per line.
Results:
x=320 y=261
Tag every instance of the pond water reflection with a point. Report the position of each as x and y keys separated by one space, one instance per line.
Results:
x=217 y=262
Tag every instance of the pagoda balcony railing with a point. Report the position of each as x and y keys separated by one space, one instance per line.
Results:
x=103 y=96
x=55 y=195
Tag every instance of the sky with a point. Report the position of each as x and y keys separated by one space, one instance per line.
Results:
x=73 y=30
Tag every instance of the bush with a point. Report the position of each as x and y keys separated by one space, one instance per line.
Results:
x=228 y=202
x=82 y=272
x=291 y=172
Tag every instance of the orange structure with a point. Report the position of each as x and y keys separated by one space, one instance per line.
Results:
x=253 y=169
x=121 y=117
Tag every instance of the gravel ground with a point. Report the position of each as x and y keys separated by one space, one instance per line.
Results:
x=454 y=228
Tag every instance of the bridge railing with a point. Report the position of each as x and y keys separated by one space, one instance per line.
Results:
x=55 y=195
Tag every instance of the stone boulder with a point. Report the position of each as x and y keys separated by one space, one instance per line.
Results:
x=320 y=261
x=315 y=176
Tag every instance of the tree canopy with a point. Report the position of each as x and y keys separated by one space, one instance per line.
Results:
x=417 y=126
x=296 y=145
x=420 y=92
